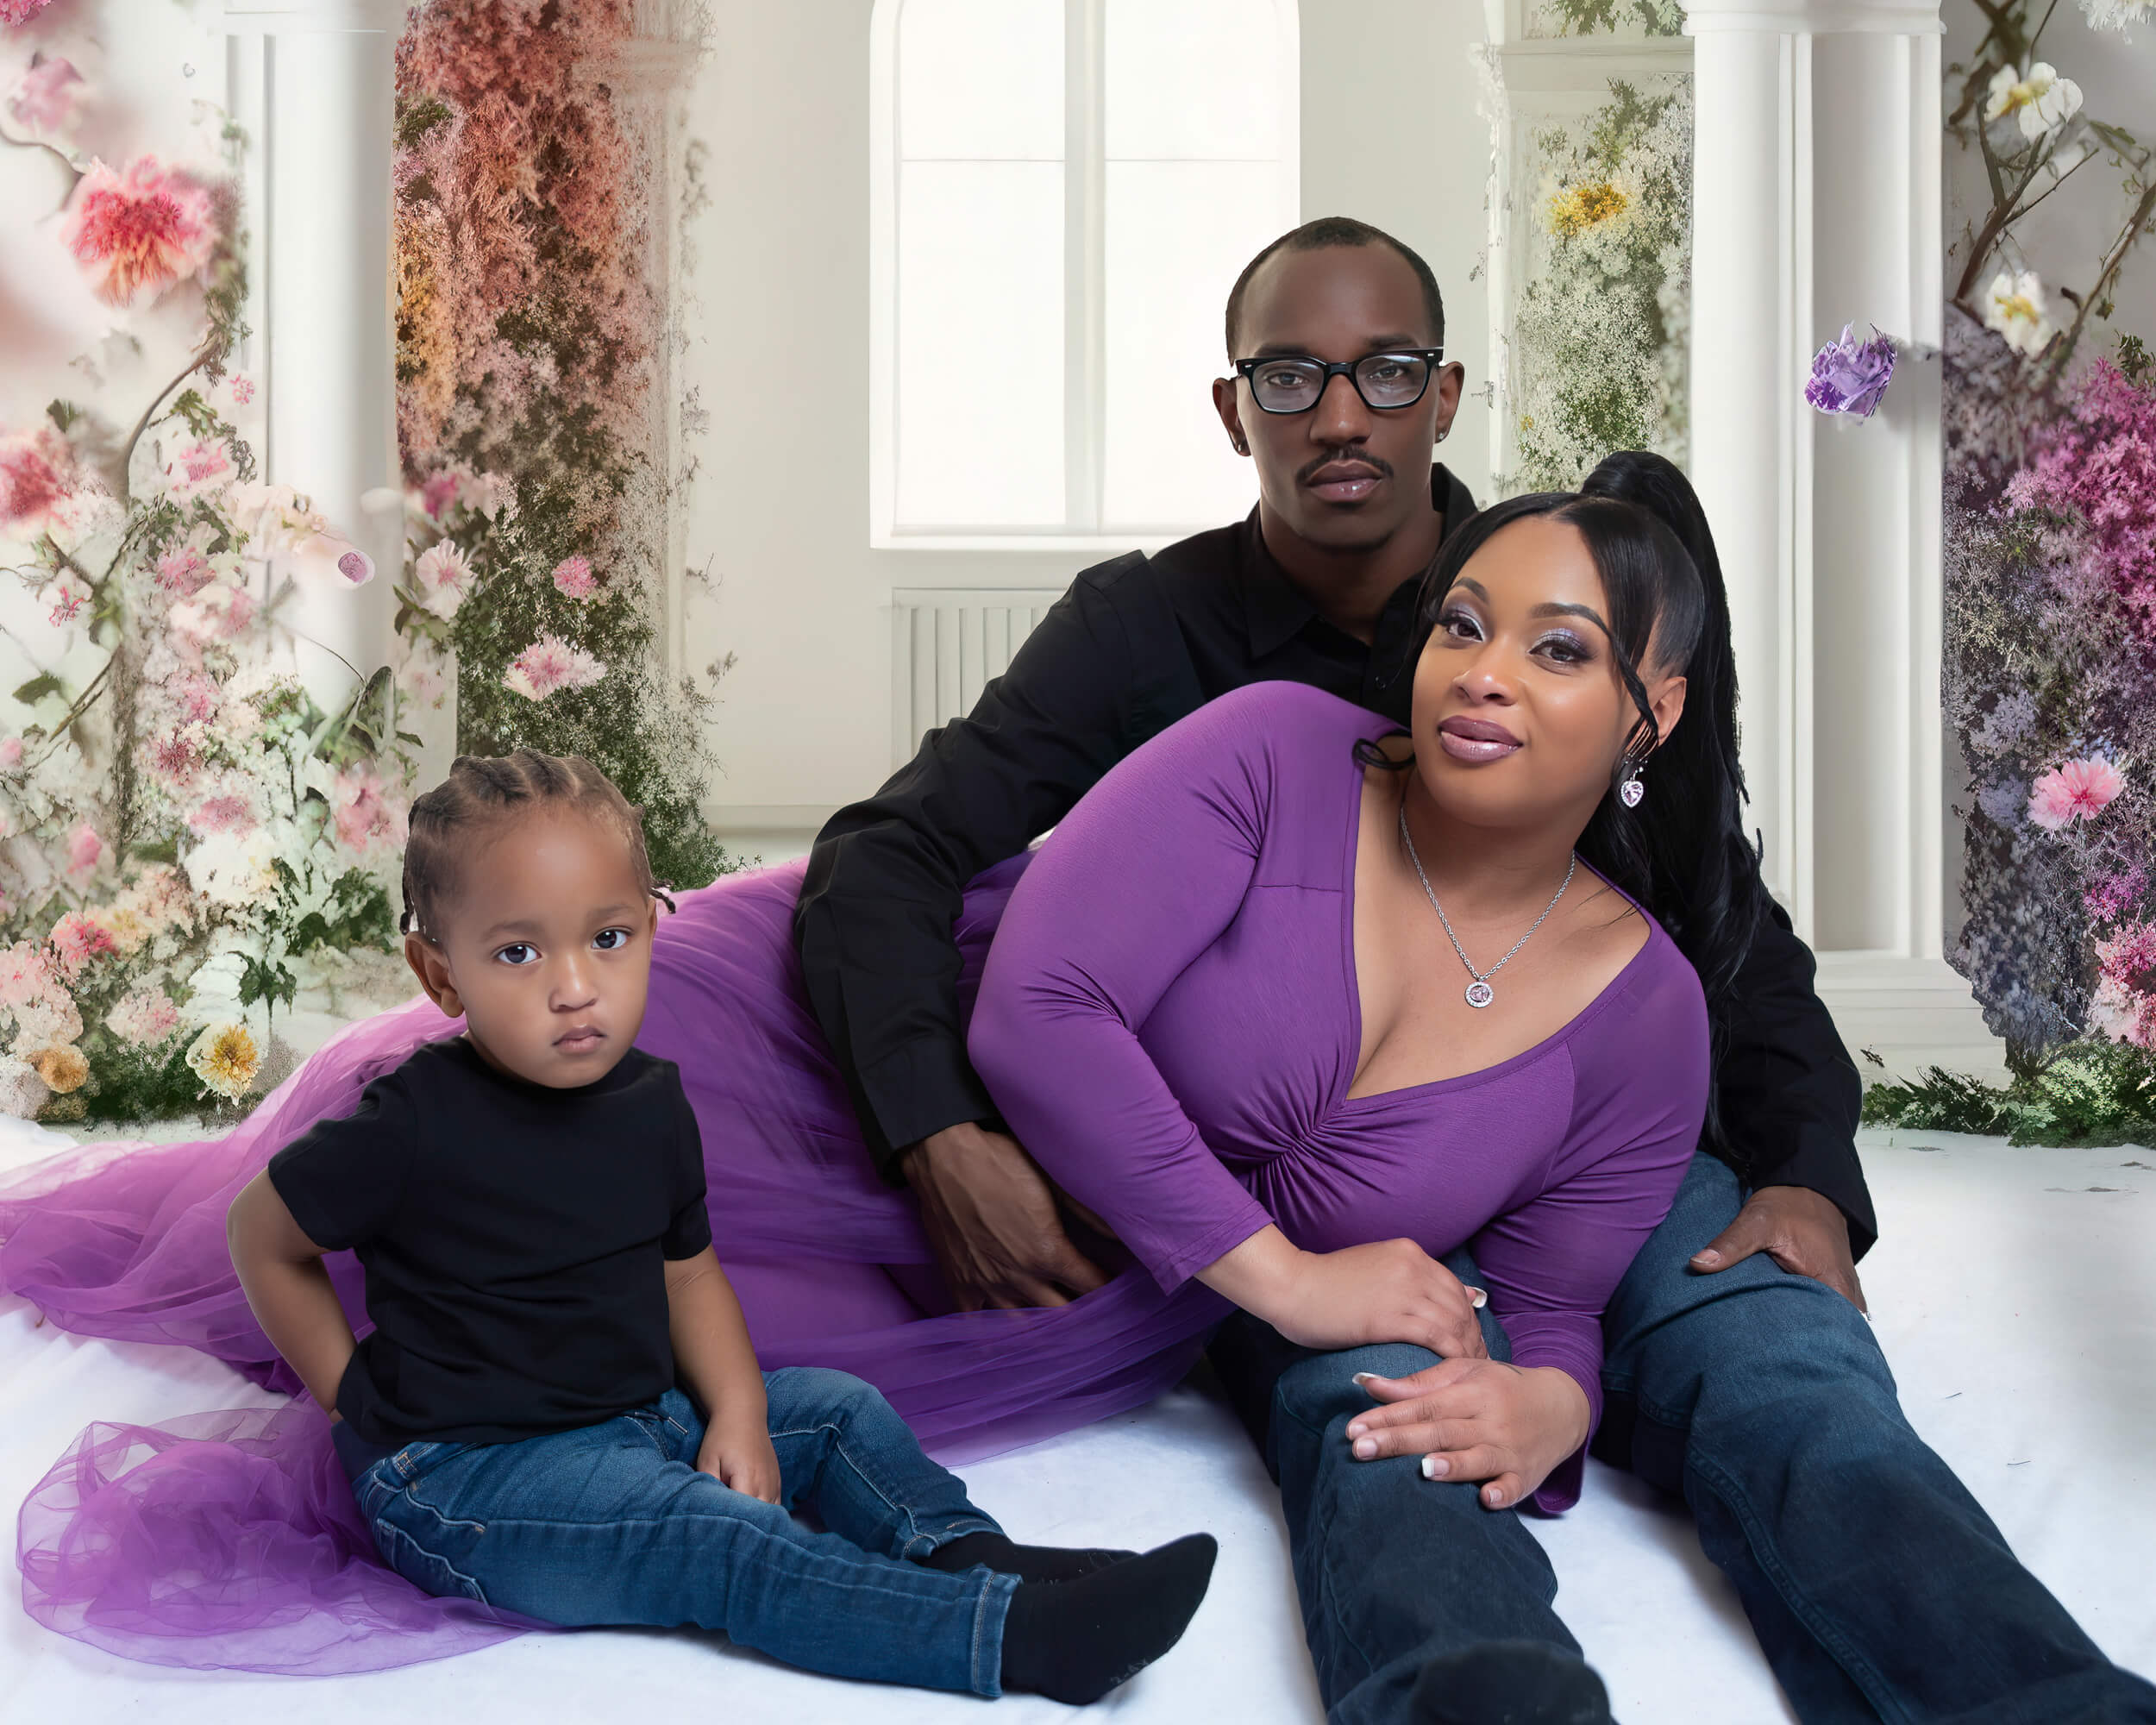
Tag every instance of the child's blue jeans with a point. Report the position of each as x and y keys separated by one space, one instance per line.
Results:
x=612 y=1524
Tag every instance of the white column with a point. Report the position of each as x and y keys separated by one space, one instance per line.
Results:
x=317 y=86
x=1818 y=203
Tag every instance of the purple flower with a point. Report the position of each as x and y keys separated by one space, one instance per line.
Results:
x=1849 y=376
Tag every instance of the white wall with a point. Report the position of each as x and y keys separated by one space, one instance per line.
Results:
x=780 y=351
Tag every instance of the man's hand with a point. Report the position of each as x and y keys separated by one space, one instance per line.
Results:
x=1800 y=1229
x=742 y=1459
x=990 y=1217
x=1476 y=1419
x=1387 y=1292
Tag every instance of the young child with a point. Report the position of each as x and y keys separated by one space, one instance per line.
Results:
x=559 y=1412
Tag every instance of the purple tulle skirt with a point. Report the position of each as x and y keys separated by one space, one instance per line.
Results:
x=230 y=1539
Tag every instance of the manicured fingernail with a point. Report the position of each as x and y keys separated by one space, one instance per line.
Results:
x=1494 y=1498
x=1707 y=1258
x=1365 y=1448
x=1435 y=1467
x=1481 y=1297
x=1365 y=1378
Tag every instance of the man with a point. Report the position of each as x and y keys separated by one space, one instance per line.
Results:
x=1739 y=1369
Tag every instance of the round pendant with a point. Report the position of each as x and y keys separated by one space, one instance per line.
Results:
x=1480 y=993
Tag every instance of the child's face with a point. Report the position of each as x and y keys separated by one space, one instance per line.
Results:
x=546 y=949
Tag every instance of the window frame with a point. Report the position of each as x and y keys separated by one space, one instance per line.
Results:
x=1085 y=291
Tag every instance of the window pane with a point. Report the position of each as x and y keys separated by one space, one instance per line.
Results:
x=981 y=80
x=980 y=344
x=1179 y=233
x=1196 y=80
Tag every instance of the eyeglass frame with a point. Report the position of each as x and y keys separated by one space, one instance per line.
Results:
x=1431 y=357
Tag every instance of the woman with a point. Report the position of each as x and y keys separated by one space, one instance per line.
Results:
x=831 y=1265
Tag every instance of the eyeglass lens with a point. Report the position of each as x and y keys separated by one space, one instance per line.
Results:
x=1383 y=379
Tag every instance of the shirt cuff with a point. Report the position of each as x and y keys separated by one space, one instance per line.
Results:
x=915 y=1091
x=1824 y=1162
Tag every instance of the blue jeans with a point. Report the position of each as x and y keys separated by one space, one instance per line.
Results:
x=1877 y=1587
x=611 y=1524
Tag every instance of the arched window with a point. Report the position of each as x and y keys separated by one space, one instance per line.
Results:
x=1064 y=192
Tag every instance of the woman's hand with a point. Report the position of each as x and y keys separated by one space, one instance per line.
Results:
x=1391 y=1291
x=742 y=1459
x=1476 y=1419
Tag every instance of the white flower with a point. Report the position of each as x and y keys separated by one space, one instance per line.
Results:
x=2039 y=99
x=22 y=1093
x=2014 y=306
x=551 y=663
x=226 y=1058
x=443 y=579
x=2116 y=15
x=236 y=868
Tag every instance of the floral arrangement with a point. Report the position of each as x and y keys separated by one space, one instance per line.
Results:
x=2051 y=618
x=1599 y=341
x=527 y=332
x=184 y=837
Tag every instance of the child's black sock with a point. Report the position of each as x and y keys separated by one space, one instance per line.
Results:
x=1074 y=1640
x=1028 y=1563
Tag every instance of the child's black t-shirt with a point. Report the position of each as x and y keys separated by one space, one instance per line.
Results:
x=514 y=1238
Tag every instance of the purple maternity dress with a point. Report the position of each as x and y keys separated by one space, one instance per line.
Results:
x=1169 y=1022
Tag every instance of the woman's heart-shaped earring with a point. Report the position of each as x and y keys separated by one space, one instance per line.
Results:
x=1632 y=791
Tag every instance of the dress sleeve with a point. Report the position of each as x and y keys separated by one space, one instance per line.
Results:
x=886 y=877
x=689 y=1231
x=1639 y=1075
x=1145 y=875
x=342 y=1180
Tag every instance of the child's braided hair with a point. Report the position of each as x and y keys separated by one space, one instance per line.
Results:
x=481 y=791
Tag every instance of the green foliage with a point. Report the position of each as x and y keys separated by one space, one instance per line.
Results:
x=2096 y=1093
x=128 y=1083
x=1605 y=17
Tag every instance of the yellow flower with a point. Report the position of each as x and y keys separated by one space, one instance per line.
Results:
x=1583 y=206
x=62 y=1068
x=225 y=1058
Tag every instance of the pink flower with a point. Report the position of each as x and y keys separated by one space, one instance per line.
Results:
x=573 y=576
x=35 y=481
x=225 y=814
x=184 y=573
x=204 y=462
x=26 y=974
x=2078 y=791
x=365 y=815
x=45 y=100
x=548 y=664
x=173 y=757
x=21 y=11
x=75 y=940
x=242 y=390
x=444 y=578
x=139 y=234
x=83 y=848
x=144 y=1016
x=439 y=492
x=2125 y=1003
x=216 y=614
x=67 y=605
x=10 y=753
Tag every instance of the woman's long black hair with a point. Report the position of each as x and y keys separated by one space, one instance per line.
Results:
x=1682 y=853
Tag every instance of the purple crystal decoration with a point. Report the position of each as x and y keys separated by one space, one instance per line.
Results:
x=1850 y=376
x=355 y=567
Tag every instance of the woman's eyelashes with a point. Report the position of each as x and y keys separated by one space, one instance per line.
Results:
x=1559 y=646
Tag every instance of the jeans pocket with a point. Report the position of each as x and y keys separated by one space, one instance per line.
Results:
x=429 y=1550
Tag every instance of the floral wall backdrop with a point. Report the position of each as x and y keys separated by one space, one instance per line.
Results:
x=2050 y=403
x=1602 y=231
x=185 y=839
x=529 y=323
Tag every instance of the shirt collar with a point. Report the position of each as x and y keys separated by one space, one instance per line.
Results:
x=1274 y=608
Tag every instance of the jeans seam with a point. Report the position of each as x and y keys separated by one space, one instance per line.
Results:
x=1844 y=1652
x=984 y=1683
x=903 y=1514
x=1329 y=1594
x=478 y=1592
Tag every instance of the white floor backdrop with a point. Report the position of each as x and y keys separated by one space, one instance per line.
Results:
x=2015 y=1295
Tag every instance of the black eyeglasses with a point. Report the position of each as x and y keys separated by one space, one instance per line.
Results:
x=1291 y=383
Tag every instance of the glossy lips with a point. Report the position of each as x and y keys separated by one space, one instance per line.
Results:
x=1476 y=740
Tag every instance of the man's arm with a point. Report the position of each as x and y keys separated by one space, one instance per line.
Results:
x=885 y=878
x=1790 y=1100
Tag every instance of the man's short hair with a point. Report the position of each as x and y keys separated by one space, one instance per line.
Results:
x=1340 y=230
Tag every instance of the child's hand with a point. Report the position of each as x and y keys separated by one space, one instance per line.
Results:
x=743 y=1460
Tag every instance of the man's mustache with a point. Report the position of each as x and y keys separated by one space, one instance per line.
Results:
x=1361 y=458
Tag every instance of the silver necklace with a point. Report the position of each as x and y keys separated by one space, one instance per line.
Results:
x=1479 y=992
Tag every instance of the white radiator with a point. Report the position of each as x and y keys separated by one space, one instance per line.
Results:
x=946 y=644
